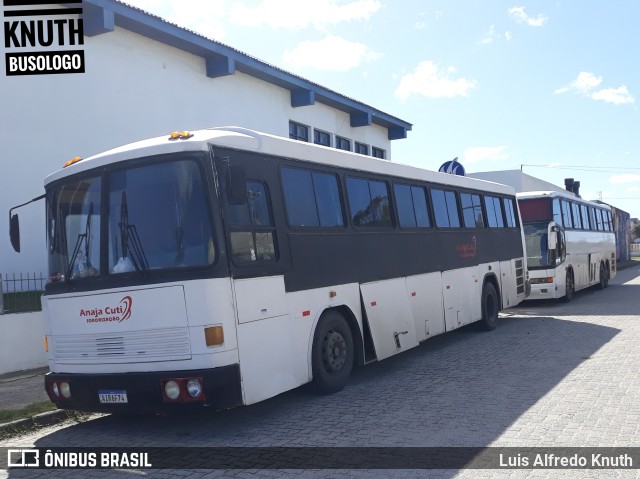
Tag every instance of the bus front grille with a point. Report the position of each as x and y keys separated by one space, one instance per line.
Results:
x=125 y=347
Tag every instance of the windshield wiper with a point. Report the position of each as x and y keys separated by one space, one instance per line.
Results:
x=130 y=240
x=76 y=249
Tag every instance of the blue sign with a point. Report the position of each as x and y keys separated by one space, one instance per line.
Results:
x=452 y=167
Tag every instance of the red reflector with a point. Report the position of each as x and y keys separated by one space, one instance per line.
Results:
x=413 y=294
x=306 y=313
x=373 y=303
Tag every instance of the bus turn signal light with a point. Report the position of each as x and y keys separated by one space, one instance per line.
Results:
x=214 y=336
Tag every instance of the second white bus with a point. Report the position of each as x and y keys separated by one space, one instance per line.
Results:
x=570 y=243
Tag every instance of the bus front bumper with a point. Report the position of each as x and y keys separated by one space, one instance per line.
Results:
x=543 y=291
x=145 y=392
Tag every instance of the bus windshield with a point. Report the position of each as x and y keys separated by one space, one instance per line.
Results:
x=141 y=218
x=538 y=254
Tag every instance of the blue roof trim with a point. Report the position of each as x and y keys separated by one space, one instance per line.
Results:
x=103 y=15
x=302 y=98
x=218 y=66
x=97 y=20
x=361 y=119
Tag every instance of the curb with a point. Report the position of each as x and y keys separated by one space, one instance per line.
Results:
x=48 y=418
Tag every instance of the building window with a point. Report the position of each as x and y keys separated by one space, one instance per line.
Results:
x=361 y=148
x=298 y=131
x=321 y=138
x=378 y=153
x=343 y=143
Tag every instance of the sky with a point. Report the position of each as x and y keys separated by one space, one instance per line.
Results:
x=548 y=87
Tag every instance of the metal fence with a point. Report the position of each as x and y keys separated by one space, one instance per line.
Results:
x=20 y=293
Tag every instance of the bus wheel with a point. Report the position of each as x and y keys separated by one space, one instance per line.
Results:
x=604 y=277
x=490 y=307
x=570 y=288
x=332 y=354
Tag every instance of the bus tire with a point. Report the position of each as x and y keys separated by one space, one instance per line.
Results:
x=490 y=307
x=604 y=277
x=332 y=353
x=569 y=288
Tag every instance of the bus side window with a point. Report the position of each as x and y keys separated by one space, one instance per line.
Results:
x=252 y=232
x=472 y=210
x=566 y=214
x=592 y=219
x=369 y=202
x=557 y=215
x=509 y=212
x=561 y=248
x=494 y=212
x=411 y=203
x=445 y=208
x=577 y=223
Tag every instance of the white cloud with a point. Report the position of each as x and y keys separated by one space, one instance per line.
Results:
x=330 y=53
x=586 y=83
x=521 y=16
x=429 y=80
x=485 y=153
x=624 y=178
x=633 y=189
x=297 y=15
x=617 y=96
x=508 y=36
x=490 y=36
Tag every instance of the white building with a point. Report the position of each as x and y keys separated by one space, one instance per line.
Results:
x=517 y=180
x=146 y=77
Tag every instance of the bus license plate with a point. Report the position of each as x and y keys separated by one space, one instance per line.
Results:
x=113 y=397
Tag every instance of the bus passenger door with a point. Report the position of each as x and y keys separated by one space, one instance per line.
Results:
x=389 y=314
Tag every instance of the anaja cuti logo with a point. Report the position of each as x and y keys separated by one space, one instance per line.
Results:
x=109 y=314
x=36 y=40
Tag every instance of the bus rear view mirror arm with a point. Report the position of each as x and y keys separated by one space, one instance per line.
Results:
x=14 y=224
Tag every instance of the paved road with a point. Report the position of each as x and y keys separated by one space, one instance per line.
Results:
x=551 y=374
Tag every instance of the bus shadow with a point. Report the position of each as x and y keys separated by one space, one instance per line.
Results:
x=461 y=389
x=612 y=301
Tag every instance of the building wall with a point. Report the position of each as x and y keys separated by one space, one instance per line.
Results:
x=133 y=88
x=21 y=342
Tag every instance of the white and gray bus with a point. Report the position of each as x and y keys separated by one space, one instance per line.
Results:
x=224 y=266
x=570 y=243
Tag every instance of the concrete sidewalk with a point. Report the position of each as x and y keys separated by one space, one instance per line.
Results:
x=22 y=388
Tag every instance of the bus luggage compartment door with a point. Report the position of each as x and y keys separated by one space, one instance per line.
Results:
x=390 y=319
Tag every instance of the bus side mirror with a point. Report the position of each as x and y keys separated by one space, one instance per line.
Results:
x=552 y=240
x=236 y=186
x=14 y=232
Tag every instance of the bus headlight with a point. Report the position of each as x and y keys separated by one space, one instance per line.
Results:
x=194 y=388
x=55 y=390
x=65 y=390
x=172 y=390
